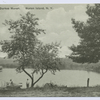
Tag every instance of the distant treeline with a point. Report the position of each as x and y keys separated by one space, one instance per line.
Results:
x=66 y=64
x=9 y=65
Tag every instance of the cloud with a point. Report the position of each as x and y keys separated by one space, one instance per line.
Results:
x=15 y=14
x=79 y=13
x=66 y=38
x=4 y=33
x=55 y=21
x=59 y=20
x=6 y=15
x=57 y=24
x=10 y=14
x=23 y=9
x=59 y=27
x=48 y=38
x=2 y=54
x=69 y=37
x=64 y=51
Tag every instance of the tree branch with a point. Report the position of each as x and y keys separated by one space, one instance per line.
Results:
x=33 y=72
x=27 y=73
x=40 y=76
x=45 y=71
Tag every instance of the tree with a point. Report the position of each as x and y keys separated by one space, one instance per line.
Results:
x=45 y=59
x=88 y=50
x=27 y=50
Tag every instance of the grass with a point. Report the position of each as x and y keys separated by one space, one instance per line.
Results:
x=51 y=90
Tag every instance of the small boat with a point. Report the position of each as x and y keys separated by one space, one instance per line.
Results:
x=14 y=86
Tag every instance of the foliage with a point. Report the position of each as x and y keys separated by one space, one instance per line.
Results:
x=27 y=50
x=88 y=49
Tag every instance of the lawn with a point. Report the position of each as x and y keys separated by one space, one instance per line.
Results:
x=56 y=91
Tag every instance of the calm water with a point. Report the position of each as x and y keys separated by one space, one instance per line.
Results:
x=64 y=77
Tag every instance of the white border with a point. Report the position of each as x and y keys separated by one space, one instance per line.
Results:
x=49 y=98
x=49 y=2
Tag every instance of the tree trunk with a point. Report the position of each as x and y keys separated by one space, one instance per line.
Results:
x=38 y=80
x=29 y=76
x=40 y=76
x=32 y=77
x=32 y=82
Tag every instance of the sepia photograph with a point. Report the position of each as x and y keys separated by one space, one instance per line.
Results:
x=50 y=50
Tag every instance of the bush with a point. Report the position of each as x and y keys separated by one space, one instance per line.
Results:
x=50 y=85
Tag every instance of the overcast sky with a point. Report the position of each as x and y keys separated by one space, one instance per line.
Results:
x=56 y=20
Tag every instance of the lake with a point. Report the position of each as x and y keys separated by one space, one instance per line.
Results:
x=71 y=78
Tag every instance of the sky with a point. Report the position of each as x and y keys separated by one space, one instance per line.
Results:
x=54 y=18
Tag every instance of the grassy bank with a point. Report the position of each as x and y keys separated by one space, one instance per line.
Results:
x=53 y=92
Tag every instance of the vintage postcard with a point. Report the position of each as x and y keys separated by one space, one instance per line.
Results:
x=50 y=50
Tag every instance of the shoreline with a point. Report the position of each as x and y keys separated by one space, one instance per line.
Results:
x=60 y=69
x=53 y=92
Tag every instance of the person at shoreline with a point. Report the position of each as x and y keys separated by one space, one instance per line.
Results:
x=11 y=82
x=27 y=83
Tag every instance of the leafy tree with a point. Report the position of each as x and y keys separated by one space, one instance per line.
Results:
x=27 y=50
x=88 y=49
